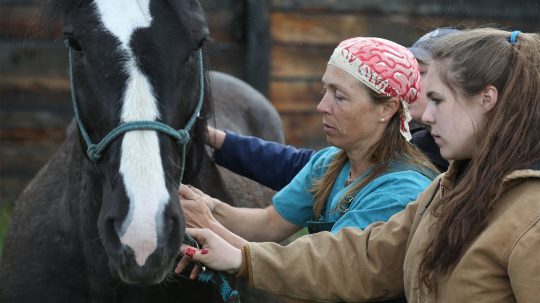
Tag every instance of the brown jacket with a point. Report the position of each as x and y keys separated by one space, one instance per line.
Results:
x=381 y=262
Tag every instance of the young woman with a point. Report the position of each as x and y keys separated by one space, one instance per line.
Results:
x=368 y=174
x=473 y=235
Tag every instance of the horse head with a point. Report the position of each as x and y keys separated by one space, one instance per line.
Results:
x=136 y=64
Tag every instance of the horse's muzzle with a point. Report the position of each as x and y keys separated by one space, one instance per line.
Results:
x=154 y=271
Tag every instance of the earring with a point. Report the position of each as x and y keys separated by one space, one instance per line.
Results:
x=382 y=120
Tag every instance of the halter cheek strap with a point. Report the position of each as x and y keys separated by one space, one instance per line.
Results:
x=95 y=151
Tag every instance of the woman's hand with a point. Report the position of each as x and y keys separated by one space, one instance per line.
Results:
x=197 y=207
x=215 y=138
x=216 y=253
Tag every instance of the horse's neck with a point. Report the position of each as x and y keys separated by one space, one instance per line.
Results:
x=208 y=179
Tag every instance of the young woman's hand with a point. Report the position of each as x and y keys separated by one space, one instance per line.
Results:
x=197 y=207
x=215 y=253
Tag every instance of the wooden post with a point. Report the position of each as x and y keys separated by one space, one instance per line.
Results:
x=258 y=44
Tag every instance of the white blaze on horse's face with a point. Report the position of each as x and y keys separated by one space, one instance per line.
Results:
x=140 y=164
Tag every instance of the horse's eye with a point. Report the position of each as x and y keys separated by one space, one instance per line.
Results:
x=200 y=44
x=73 y=44
x=196 y=49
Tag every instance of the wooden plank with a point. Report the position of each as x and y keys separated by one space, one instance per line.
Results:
x=527 y=9
x=34 y=94
x=23 y=20
x=295 y=96
x=24 y=160
x=31 y=57
x=304 y=130
x=19 y=21
x=339 y=5
x=25 y=126
x=321 y=29
x=329 y=29
x=34 y=82
x=18 y=165
x=307 y=63
x=32 y=109
x=24 y=135
x=257 y=45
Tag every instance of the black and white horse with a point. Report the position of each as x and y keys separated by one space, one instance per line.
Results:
x=102 y=223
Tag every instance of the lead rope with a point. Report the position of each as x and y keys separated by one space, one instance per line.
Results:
x=228 y=295
x=95 y=151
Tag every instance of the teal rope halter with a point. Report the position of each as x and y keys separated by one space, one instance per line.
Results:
x=95 y=151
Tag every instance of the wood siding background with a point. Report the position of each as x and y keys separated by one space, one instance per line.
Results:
x=279 y=46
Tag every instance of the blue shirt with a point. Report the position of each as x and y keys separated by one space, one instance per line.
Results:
x=377 y=201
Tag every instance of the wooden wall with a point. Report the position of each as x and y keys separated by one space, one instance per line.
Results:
x=280 y=46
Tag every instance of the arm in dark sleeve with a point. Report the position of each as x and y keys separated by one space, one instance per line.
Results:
x=269 y=163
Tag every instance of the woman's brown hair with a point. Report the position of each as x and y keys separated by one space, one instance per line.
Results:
x=391 y=147
x=469 y=62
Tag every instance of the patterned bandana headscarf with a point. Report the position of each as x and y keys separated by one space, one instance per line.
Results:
x=384 y=66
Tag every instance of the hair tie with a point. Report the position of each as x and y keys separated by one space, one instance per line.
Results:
x=513 y=37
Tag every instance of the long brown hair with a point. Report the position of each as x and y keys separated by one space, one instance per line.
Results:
x=391 y=147
x=470 y=61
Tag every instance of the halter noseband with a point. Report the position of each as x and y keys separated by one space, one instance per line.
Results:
x=95 y=151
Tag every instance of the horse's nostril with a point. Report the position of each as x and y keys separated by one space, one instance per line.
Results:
x=113 y=225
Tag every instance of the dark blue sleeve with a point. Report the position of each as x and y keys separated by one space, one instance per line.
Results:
x=269 y=163
x=425 y=142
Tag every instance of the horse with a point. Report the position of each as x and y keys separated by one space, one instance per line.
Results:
x=102 y=222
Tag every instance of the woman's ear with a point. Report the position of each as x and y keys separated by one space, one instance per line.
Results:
x=388 y=109
x=489 y=96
